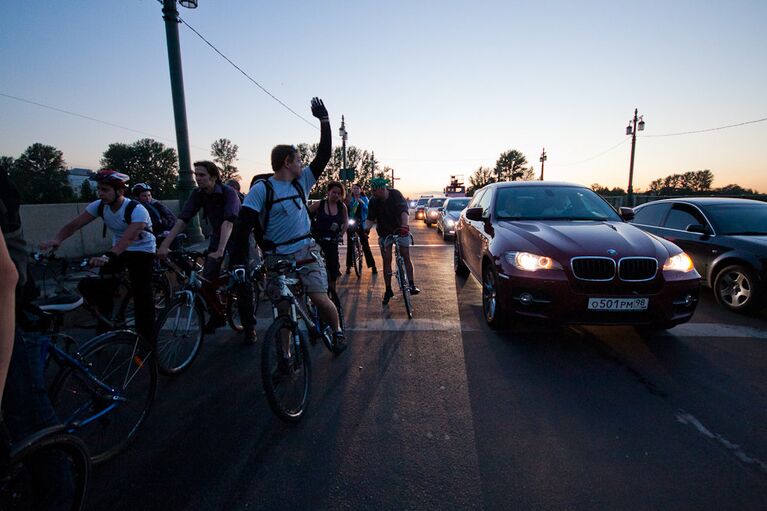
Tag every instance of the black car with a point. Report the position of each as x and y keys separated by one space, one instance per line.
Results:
x=726 y=239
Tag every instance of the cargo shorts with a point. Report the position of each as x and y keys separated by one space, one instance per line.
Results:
x=313 y=276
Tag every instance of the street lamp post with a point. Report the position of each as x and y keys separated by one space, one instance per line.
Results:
x=542 y=159
x=344 y=135
x=638 y=123
x=185 y=182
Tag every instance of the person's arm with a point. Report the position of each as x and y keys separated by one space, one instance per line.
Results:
x=68 y=230
x=191 y=208
x=162 y=252
x=224 y=233
x=324 y=150
x=312 y=209
x=9 y=276
x=247 y=221
x=345 y=224
x=232 y=206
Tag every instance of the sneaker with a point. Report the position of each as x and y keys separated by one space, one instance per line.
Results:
x=339 y=342
x=374 y=271
x=213 y=323
x=414 y=290
x=250 y=336
x=388 y=296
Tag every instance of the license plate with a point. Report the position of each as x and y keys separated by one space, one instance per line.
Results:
x=618 y=304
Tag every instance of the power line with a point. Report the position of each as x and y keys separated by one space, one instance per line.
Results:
x=706 y=130
x=596 y=155
x=246 y=75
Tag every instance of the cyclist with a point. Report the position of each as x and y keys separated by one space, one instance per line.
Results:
x=276 y=209
x=234 y=184
x=358 y=211
x=220 y=205
x=388 y=212
x=329 y=220
x=163 y=219
x=133 y=247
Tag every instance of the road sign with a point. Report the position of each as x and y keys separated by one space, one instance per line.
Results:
x=347 y=174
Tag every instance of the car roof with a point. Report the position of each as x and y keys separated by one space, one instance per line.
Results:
x=704 y=201
x=521 y=184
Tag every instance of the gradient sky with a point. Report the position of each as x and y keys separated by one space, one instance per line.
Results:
x=433 y=87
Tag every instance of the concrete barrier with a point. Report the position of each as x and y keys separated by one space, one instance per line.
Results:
x=41 y=222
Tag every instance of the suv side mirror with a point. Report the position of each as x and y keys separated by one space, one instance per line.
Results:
x=698 y=228
x=474 y=214
x=626 y=213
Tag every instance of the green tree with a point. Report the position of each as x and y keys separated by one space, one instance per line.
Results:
x=87 y=193
x=480 y=178
x=733 y=189
x=608 y=192
x=145 y=161
x=6 y=164
x=41 y=176
x=224 y=153
x=356 y=158
x=510 y=166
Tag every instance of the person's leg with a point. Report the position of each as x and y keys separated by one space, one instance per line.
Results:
x=386 y=256
x=369 y=259
x=99 y=293
x=349 y=251
x=405 y=251
x=139 y=266
x=210 y=272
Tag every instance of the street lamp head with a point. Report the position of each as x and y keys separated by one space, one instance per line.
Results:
x=189 y=4
x=640 y=126
x=629 y=131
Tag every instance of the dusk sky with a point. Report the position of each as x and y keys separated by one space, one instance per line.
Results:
x=434 y=88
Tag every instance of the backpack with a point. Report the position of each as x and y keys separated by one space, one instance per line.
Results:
x=158 y=225
x=269 y=202
x=127 y=214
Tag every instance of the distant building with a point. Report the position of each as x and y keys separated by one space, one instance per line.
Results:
x=77 y=177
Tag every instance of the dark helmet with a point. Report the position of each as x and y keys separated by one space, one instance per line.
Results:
x=110 y=177
x=141 y=188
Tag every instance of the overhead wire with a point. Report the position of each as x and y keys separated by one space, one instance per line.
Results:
x=705 y=130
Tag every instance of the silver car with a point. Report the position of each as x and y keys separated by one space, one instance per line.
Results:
x=431 y=214
x=448 y=215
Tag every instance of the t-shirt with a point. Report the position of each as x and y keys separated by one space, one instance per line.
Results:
x=288 y=219
x=217 y=207
x=387 y=214
x=115 y=222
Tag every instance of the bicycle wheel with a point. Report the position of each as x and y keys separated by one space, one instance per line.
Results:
x=357 y=247
x=404 y=286
x=162 y=292
x=50 y=472
x=286 y=388
x=233 y=312
x=107 y=420
x=178 y=336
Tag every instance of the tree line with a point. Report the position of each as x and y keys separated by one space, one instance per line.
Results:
x=697 y=182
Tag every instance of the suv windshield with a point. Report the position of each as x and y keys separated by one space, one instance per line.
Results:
x=551 y=203
x=436 y=203
x=457 y=204
x=734 y=219
x=422 y=202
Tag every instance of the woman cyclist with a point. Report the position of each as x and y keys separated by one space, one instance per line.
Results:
x=329 y=220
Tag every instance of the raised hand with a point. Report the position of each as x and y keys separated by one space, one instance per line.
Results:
x=319 y=110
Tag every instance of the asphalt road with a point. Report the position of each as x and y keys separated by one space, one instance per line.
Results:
x=442 y=413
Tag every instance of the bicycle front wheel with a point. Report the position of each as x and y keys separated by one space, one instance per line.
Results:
x=51 y=472
x=357 y=247
x=286 y=379
x=404 y=286
x=107 y=398
x=178 y=336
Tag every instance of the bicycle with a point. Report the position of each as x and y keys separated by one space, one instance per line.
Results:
x=401 y=272
x=285 y=337
x=21 y=482
x=179 y=329
x=103 y=390
x=355 y=245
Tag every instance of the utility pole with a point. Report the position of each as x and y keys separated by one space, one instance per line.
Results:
x=343 y=133
x=542 y=159
x=185 y=182
x=372 y=165
x=633 y=132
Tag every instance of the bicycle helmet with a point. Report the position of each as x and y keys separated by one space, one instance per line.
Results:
x=141 y=188
x=110 y=177
x=379 y=182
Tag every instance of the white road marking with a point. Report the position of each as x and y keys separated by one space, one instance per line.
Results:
x=690 y=420
x=716 y=330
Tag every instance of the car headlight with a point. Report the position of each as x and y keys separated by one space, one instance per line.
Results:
x=531 y=262
x=450 y=222
x=680 y=262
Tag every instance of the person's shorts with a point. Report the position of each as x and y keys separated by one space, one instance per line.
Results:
x=313 y=276
x=403 y=242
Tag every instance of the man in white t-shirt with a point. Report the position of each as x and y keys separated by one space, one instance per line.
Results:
x=276 y=209
x=133 y=247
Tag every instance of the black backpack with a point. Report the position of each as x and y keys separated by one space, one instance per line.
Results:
x=127 y=214
x=269 y=202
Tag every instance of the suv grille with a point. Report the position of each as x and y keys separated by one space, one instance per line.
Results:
x=593 y=268
x=635 y=269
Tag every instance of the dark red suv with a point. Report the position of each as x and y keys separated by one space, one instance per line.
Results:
x=559 y=252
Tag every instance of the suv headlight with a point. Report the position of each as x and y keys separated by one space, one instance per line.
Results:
x=680 y=262
x=450 y=222
x=531 y=262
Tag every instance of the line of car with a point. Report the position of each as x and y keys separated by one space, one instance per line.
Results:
x=559 y=252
